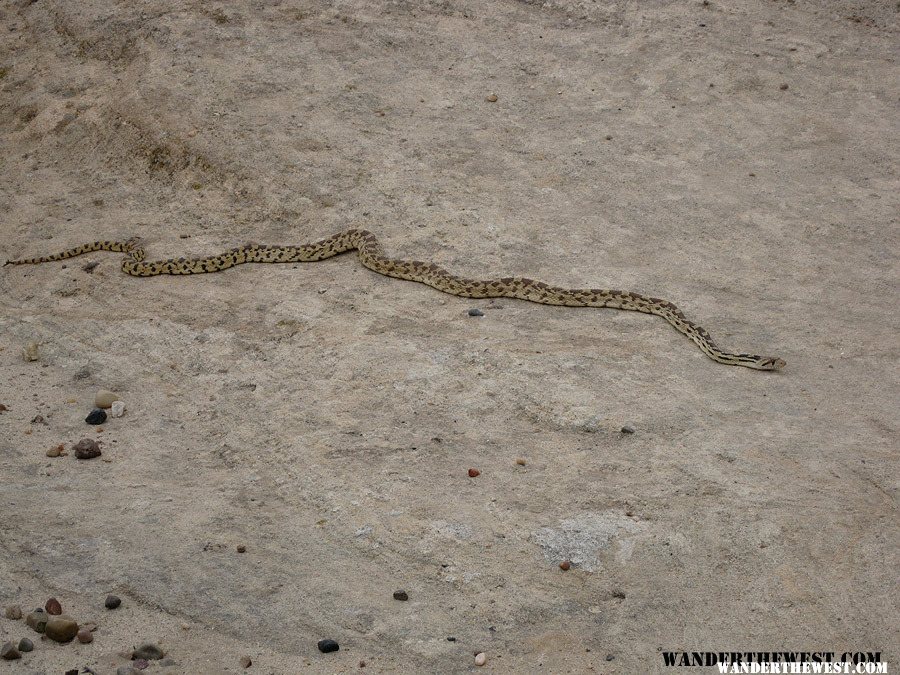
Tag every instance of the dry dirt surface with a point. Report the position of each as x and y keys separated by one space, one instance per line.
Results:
x=736 y=158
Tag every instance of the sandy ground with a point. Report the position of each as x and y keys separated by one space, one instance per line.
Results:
x=738 y=159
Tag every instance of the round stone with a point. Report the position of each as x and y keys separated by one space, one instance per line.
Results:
x=26 y=645
x=53 y=607
x=480 y=659
x=565 y=565
x=85 y=636
x=475 y=312
x=57 y=451
x=96 y=416
x=521 y=461
x=104 y=398
x=9 y=652
x=13 y=612
x=327 y=646
x=61 y=628
x=628 y=429
x=474 y=473
x=117 y=409
x=402 y=596
x=491 y=98
x=87 y=448
x=112 y=601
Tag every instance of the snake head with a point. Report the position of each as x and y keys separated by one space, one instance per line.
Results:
x=769 y=363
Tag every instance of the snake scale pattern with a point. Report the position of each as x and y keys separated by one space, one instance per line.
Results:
x=372 y=255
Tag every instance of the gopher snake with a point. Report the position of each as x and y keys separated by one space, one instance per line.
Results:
x=372 y=256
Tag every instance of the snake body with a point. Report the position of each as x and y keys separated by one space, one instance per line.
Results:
x=372 y=255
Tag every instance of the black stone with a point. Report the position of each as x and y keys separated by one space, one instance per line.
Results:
x=628 y=429
x=326 y=646
x=475 y=312
x=25 y=645
x=96 y=416
x=451 y=639
x=112 y=601
x=610 y=657
x=402 y=596
x=147 y=651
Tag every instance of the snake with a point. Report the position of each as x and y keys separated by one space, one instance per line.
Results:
x=372 y=255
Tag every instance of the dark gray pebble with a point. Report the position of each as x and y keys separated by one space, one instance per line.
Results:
x=8 y=652
x=402 y=596
x=610 y=657
x=25 y=645
x=87 y=448
x=451 y=639
x=112 y=601
x=96 y=416
x=475 y=312
x=628 y=429
x=147 y=651
x=326 y=646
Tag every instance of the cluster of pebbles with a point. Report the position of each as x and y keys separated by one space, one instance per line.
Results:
x=51 y=623
x=88 y=448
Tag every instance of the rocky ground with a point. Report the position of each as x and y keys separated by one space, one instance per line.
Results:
x=736 y=158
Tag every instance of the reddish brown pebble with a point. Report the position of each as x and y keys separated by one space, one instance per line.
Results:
x=362 y=664
x=85 y=636
x=565 y=565
x=53 y=607
x=241 y=549
x=491 y=98
x=783 y=86
x=473 y=473
x=520 y=461
x=3 y=408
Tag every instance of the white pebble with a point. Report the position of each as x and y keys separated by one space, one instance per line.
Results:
x=480 y=659
x=117 y=409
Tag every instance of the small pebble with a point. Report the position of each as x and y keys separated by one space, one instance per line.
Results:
x=53 y=607
x=565 y=565
x=608 y=137
x=57 y=451
x=473 y=473
x=451 y=639
x=117 y=409
x=104 y=398
x=628 y=429
x=784 y=86
x=9 y=652
x=326 y=646
x=13 y=612
x=521 y=461
x=3 y=408
x=38 y=419
x=480 y=659
x=475 y=312
x=91 y=266
x=87 y=449
x=96 y=416
x=26 y=645
x=61 y=628
x=112 y=601
x=30 y=352
x=148 y=651
x=37 y=620
x=491 y=98
x=241 y=549
x=402 y=596
x=85 y=636
x=246 y=661
x=610 y=657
